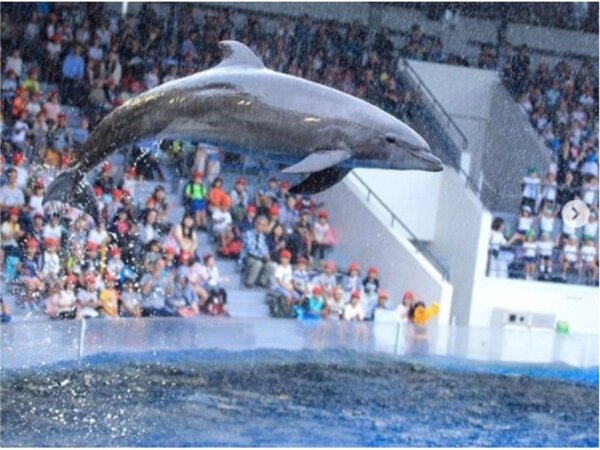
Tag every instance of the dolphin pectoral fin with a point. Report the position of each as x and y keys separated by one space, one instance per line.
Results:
x=319 y=160
x=72 y=188
x=237 y=54
x=319 y=181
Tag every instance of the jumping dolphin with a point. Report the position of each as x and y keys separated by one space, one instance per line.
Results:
x=244 y=107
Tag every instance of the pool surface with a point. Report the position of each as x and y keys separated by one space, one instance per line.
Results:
x=290 y=398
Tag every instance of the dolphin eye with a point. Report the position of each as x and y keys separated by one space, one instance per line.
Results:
x=390 y=139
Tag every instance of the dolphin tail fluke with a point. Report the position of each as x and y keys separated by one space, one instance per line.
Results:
x=319 y=181
x=72 y=188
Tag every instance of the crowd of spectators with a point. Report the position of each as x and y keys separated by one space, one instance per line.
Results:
x=95 y=62
x=562 y=105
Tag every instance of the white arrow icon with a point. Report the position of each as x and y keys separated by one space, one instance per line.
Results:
x=575 y=213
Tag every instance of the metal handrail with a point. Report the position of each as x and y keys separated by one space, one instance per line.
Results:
x=415 y=240
x=469 y=181
x=422 y=86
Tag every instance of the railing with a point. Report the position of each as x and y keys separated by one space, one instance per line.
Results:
x=419 y=246
x=442 y=133
x=34 y=344
x=447 y=119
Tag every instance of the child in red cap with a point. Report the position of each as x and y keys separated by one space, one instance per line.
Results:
x=109 y=297
x=324 y=239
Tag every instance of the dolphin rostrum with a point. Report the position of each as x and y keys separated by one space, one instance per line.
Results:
x=244 y=107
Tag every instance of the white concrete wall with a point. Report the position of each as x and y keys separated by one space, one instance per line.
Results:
x=502 y=143
x=460 y=221
x=412 y=195
x=365 y=236
x=578 y=305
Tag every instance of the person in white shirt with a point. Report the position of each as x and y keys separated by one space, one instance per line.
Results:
x=221 y=218
x=525 y=221
x=549 y=189
x=570 y=256
x=403 y=308
x=10 y=193
x=335 y=304
x=529 y=254
x=530 y=187
x=54 y=229
x=545 y=247
x=51 y=265
x=354 y=310
x=547 y=218
x=98 y=235
x=589 y=258
x=35 y=201
x=497 y=241
x=282 y=279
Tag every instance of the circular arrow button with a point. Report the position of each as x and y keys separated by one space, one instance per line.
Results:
x=575 y=213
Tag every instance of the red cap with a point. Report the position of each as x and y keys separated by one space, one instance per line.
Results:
x=373 y=269
x=65 y=160
x=18 y=158
x=13 y=211
x=151 y=203
x=382 y=294
x=170 y=250
x=274 y=210
x=317 y=290
x=38 y=216
x=241 y=180
x=329 y=264
x=185 y=256
x=117 y=194
x=302 y=260
x=91 y=246
x=32 y=243
x=106 y=167
x=90 y=278
x=251 y=208
x=56 y=38
x=408 y=295
x=197 y=174
x=355 y=294
x=114 y=251
x=322 y=214
x=109 y=276
x=353 y=266
x=50 y=242
x=285 y=254
x=70 y=279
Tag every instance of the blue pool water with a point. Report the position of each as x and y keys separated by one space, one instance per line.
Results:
x=306 y=398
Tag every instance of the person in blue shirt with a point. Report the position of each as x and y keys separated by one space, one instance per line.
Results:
x=72 y=76
x=313 y=305
x=255 y=254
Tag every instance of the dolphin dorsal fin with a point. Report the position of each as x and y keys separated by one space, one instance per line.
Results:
x=237 y=54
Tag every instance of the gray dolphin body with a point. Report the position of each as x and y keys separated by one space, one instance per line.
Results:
x=241 y=106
